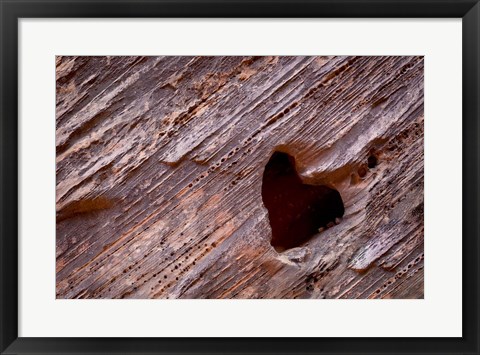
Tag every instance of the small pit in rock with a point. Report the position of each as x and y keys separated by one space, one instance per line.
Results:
x=296 y=210
x=372 y=161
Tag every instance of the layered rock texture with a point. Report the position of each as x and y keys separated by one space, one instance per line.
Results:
x=172 y=172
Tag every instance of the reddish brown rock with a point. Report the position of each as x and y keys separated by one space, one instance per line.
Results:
x=160 y=163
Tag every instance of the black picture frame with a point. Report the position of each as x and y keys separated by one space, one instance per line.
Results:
x=12 y=11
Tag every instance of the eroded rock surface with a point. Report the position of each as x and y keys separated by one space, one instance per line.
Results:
x=160 y=163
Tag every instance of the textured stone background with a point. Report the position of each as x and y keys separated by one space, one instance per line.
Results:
x=159 y=174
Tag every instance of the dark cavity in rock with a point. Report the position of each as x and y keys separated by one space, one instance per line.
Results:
x=296 y=210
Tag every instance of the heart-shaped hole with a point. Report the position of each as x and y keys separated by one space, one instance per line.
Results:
x=296 y=211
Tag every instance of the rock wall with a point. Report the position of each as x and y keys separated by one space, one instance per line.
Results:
x=160 y=163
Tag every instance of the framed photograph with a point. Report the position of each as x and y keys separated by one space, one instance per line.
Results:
x=239 y=177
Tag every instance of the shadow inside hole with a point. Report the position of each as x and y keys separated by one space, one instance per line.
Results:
x=296 y=210
x=372 y=161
